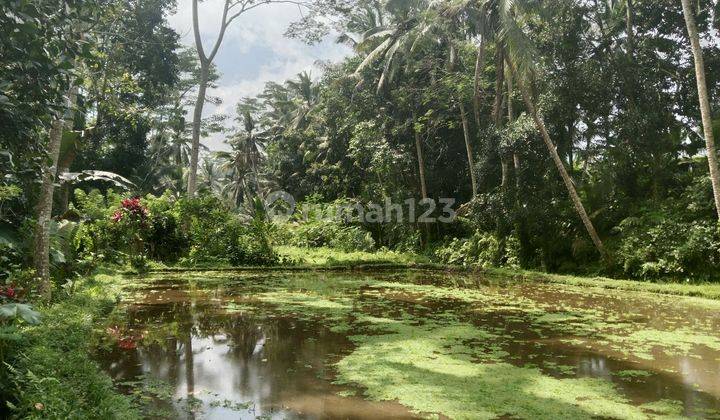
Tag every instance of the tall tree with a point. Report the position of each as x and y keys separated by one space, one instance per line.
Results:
x=519 y=55
x=232 y=9
x=45 y=201
x=704 y=98
x=398 y=38
x=577 y=203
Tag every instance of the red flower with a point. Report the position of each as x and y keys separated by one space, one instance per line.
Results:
x=117 y=216
x=9 y=292
x=127 y=343
x=132 y=208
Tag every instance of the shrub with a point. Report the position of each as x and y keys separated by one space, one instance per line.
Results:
x=218 y=236
x=481 y=249
x=656 y=245
x=198 y=231
x=332 y=234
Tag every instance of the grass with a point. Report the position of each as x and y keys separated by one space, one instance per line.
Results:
x=51 y=370
x=328 y=257
x=706 y=290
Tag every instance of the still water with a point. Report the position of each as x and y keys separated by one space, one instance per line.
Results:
x=340 y=345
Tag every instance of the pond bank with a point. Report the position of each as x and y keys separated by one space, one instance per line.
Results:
x=53 y=373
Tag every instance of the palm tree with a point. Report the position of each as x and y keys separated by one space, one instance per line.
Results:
x=519 y=55
x=398 y=38
x=210 y=176
x=241 y=166
x=305 y=95
x=232 y=9
x=235 y=182
x=704 y=99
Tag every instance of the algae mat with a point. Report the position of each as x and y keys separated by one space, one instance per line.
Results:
x=410 y=345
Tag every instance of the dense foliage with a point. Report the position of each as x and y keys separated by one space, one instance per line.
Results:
x=429 y=104
x=568 y=134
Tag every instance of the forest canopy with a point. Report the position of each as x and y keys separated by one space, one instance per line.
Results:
x=572 y=136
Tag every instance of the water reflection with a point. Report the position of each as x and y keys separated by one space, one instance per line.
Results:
x=236 y=365
x=223 y=359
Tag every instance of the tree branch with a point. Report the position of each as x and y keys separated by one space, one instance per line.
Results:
x=196 y=31
x=224 y=23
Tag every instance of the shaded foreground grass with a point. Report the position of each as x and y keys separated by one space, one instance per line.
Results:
x=51 y=371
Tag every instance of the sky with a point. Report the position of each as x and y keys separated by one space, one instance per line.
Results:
x=254 y=51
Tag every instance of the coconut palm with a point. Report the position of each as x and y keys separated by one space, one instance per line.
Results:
x=210 y=175
x=305 y=94
x=387 y=43
x=704 y=99
x=519 y=56
x=241 y=166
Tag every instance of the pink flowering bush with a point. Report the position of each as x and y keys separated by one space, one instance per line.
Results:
x=131 y=221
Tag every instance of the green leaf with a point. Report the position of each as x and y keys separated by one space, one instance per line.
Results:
x=28 y=315
x=23 y=311
x=8 y=236
x=9 y=333
x=92 y=175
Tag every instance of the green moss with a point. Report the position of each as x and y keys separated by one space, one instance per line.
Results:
x=664 y=409
x=706 y=290
x=632 y=374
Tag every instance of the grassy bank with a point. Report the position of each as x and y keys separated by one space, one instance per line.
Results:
x=332 y=259
x=327 y=257
x=705 y=290
x=52 y=373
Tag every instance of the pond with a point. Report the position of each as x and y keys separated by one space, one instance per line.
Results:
x=359 y=345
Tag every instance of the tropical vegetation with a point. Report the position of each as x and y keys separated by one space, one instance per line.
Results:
x=572 y=137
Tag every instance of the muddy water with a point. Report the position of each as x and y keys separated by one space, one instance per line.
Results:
x=244 y=345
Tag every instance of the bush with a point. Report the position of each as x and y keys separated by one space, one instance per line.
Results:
x=218 y=236
x=332 y=234
x=198 y=231
x=37 y=386
x=658 y=245
x=481 y=249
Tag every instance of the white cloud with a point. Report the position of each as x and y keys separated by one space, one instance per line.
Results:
x=254 y=51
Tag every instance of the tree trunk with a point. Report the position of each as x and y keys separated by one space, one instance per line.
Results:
x=630 y=32
x=468 y=148
x=704 y=101
x=197 y=118
x=560 y=166
x=497 y=109
x=499 y=82
x=511 y=118
x=421 y=164
x=479 y=64
x=45 y=200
